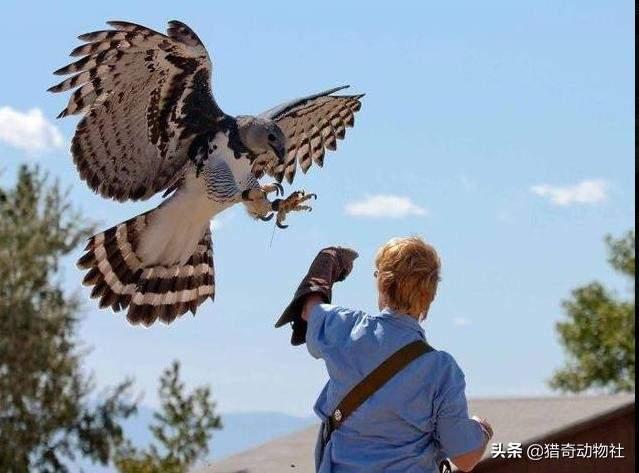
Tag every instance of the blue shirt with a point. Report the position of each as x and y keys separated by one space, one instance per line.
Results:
x=416 y=419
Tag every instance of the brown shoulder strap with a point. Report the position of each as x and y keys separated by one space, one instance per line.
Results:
x=376 y=379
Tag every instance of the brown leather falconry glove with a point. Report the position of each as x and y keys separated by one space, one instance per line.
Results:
x=330 y=265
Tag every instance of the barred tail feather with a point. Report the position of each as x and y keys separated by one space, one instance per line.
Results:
x=121 y=281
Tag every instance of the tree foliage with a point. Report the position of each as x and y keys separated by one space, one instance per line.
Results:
x=599 y=334
x=49 y=411
x=182 y=430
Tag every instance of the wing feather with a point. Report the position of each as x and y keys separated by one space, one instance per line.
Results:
x=312 y=125
x=143 y=96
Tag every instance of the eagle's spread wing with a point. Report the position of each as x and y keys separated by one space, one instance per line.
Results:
x=312 y=124
x=144 y=96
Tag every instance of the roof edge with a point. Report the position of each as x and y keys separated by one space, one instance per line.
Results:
x=568 y=429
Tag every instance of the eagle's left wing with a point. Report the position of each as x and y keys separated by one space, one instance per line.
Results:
x=311 y=125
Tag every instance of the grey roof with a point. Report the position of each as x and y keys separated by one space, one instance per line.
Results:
x=513 y=419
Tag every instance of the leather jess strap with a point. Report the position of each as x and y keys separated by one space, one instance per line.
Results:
x=376 y=379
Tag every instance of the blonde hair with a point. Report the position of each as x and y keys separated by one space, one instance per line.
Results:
x=407 y=274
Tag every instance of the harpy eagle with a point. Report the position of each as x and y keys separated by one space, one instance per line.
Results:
x=150 y=124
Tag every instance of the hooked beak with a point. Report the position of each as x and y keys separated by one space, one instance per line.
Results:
x=280 y=152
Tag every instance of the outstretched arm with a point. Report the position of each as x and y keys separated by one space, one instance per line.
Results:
x=311 y=301
x=330 y=265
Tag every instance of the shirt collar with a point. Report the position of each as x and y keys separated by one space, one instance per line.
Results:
x=403 y=320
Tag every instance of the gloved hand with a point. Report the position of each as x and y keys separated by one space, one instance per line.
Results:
x=331 y=265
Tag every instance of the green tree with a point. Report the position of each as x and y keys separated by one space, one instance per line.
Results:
x=599 y=335
x=182 y=430
x=49 y=410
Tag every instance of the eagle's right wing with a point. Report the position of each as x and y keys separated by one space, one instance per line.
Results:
x=144 y=96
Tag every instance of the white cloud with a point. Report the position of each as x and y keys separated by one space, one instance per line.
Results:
x=29 y=131
x=461 y=322
x=384 y=206
x=585 y=192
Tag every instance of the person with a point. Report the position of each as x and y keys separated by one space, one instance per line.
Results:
x=420 y=416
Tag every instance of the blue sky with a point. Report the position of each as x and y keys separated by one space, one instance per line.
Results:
x=502 y=132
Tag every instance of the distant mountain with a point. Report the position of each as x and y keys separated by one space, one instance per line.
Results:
x=245 y=430
x=241 y=431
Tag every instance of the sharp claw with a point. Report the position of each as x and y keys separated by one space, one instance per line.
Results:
x=291 y=203
x=279 y=188
x=266 y=219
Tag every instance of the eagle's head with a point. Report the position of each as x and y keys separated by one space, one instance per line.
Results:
x=265 y=141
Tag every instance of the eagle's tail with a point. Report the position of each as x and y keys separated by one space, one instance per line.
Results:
x=120 y=279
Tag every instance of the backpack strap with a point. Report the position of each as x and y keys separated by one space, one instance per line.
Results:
x=375 y=380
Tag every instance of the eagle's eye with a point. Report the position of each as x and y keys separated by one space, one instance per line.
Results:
x=271 y=137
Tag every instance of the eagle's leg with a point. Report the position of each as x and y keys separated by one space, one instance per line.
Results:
x=256 y=201
x=260 y=207
x=293 y=203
